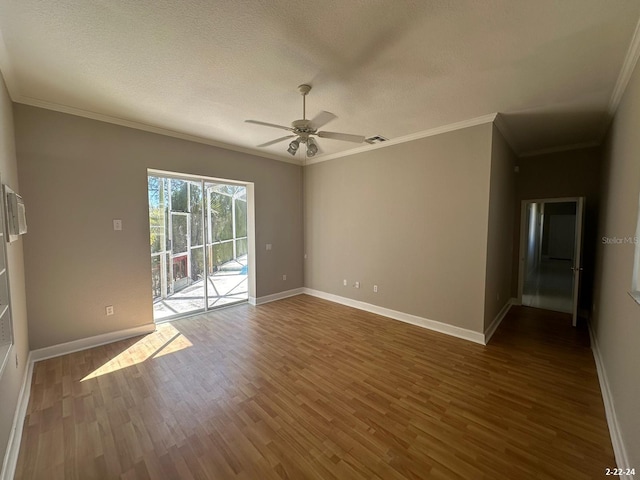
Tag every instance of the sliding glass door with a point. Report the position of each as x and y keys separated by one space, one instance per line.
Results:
x=226 y=243
x=198 y=237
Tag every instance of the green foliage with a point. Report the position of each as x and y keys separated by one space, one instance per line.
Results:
x=197 y=226
x=222 y=253
x=179 y=199
x=186 y=197
x=157 y=228
x=197 y=263
x=157 y=213
x=155 y=277
x=241 y=218
x=241 y=247
x=179 y=228
x=221 y=213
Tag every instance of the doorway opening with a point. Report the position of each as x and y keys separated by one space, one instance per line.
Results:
x=201 y=243
x=550 y=254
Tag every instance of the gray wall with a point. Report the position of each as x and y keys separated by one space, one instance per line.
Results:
x=411 y=218
x=574 y=173
x=78 y=174
x=11 y=380
x=500 y=228
x=616 y=320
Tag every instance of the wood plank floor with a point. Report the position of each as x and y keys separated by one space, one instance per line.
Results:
x=306 y=389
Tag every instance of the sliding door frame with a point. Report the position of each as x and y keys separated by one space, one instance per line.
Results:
x=251 y=244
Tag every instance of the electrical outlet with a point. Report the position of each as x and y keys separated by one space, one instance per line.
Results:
x=284 y=277
x=357 y=284
x=344 y=282
x=268 y=246
x=109 y=310
x=375 y=289
x=117 y=225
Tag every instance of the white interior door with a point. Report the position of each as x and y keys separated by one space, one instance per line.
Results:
x=546 y=241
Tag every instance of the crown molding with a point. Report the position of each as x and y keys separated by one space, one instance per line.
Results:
x=34 y=102
x=407 y=138
x=6 y=69
x=560 y=148
x=628 y=66
x=506 y=132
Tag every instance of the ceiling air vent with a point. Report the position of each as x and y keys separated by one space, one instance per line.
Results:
x=376 y=139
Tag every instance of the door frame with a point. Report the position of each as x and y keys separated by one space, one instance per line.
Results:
x=577 y=260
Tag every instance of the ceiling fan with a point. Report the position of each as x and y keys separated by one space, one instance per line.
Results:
x=303 y=130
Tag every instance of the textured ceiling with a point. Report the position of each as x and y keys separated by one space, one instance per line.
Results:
x=391 y=68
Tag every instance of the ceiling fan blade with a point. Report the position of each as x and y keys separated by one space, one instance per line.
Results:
x=265 y=124
x=346 y=137
x=321 y=119
x=275 y=141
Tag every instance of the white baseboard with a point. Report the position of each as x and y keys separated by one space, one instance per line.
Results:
x=434 y=325
x=90 y=342
x=622 y=460
x=491 y=329
x=15 y=438
x=13 y=448
x=277 y=296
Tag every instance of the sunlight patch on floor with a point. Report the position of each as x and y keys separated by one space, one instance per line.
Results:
x=165 y=340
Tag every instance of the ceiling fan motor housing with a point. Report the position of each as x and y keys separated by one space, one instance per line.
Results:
x=302 y=127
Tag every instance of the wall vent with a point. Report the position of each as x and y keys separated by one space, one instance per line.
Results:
x=376 y=139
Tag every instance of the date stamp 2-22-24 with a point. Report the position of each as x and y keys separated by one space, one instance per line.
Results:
x=618 y=472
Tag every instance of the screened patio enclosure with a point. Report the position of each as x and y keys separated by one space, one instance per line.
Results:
x=199 y=244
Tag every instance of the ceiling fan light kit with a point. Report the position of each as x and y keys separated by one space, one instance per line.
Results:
x=303 y=130
x=293 y=147
x=312 y=148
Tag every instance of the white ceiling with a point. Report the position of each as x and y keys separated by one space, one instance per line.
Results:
x=393 y=68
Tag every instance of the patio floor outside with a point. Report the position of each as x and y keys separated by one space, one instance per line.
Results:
x=228 y=285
